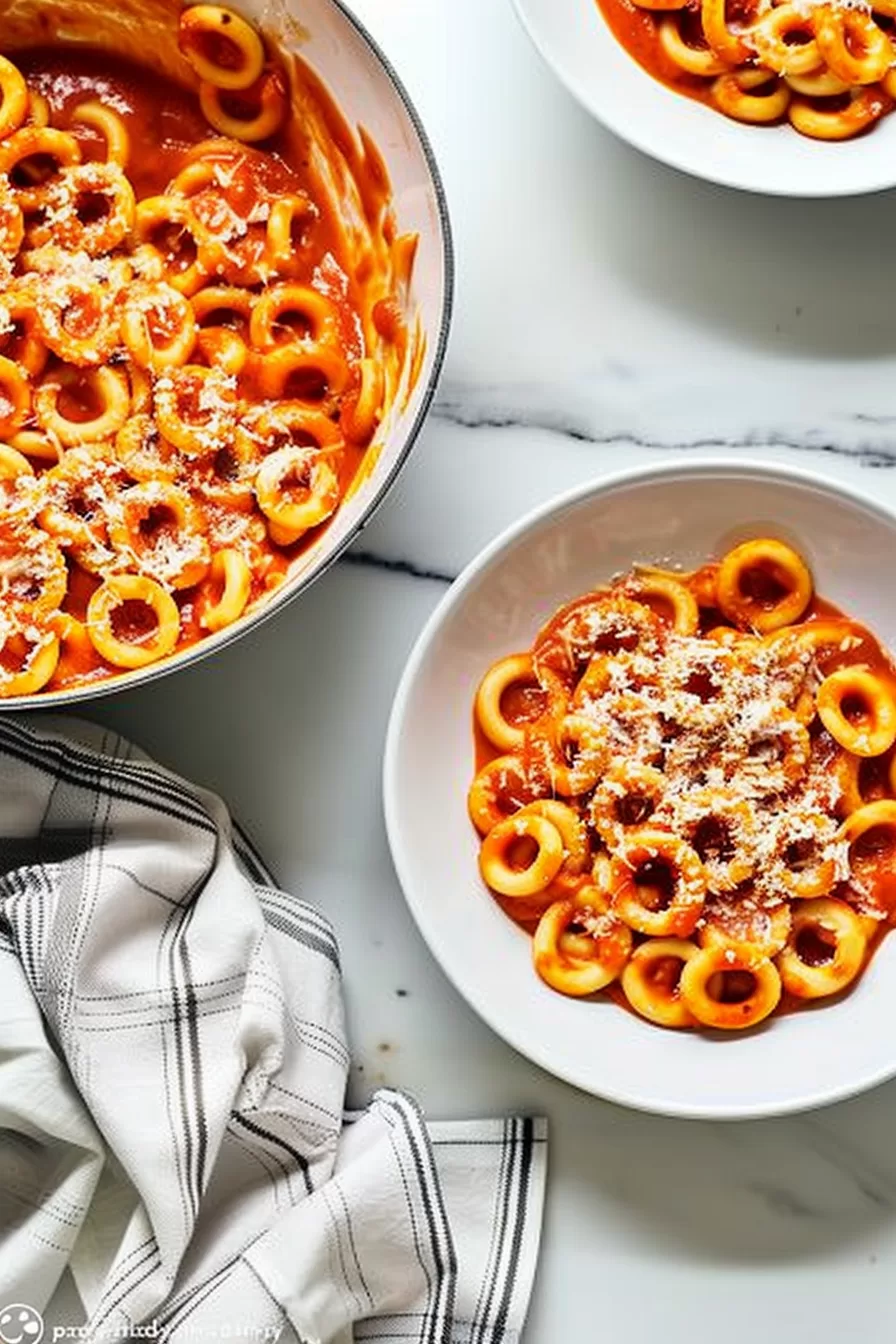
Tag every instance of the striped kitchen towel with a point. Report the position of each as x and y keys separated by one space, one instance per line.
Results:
x=175 y=1157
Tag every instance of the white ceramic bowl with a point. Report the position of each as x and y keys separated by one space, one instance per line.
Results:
x=677 y=514
x=370 y=94
x=577 y=44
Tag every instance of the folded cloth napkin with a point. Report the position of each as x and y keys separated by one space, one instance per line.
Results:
x=173 y=1065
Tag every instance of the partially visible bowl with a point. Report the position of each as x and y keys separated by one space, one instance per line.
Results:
x=583 y=53
x=678 y=515
x=369 y=95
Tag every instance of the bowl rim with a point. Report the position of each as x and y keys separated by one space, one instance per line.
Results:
x=130 y=679
x=757 y=468
x=664 y=153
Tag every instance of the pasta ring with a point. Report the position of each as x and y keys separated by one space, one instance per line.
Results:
x=318 y=314
x=31 y=142
x=865 y=107
x=13 y=463
x=31 y=444
x=625 y=800
x=663 y=856
x=222 y=48
x=580 y=964
x=572 y=831
x=651 y=981
x=838 y=929
x=143 y=452
x=151 y=312
x=230 y=573
x=735 y=95
x=757 y=933
x=145 y=640
x=780 y=585
x=283 y=249
x=15 y=398
x=218 y=305
x=76 y=504
x=296 y=489
x=841 y=34
x=672 y=593
x=362 y=405
x=74 y=318
x=590 y=759
x=770 y=34
x=693 y=60
x=223 y=349
x=709 y=969
x=540 y=868
x=820 y=83
x=33 y=574
x=501 y=676
x=38 y=665
x=107 y=123
x=289 y=424
x=500 y=788
x=870 y=833
x=315 y=377
x=709 y=820
x=13 y=98
x=173 y=213
x=160 y=530
x=871 y=729
x=730 y=48
x=196 y=408
x=75 y=193
x=111 y=388
x=265 y=103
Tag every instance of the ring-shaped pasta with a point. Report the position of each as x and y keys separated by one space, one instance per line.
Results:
x=76 y=504
x=110 y=387
x=318 y=315
x=99 y=117
x=38 y=663
x=290 y=216
x=231 y=579
x=540 y=846
x=573 y=833
x=13 y=463
x=779 y=756
x=143 y=452
x=870 y=833
x=579 y=757
x=160 y=530
x=624 y=801
x=699 y=61
x=752 y=933
x=763 y=584
x=316 y=376
x=296 y=489
x=851 y=44
x=826 y=641
x=602 y=624
x=251 y=114
x=75 y=318
x=722 y=830
x=13 y=98
x=770 y=36
x=500 y=788
x=45 y=143
x=865 y=107
x=75 y=221
x=12 y=221
x=825 y=950
x=806 y=868
x=222 y=349
x=196 y=408
x=732 y=49
x=752 y=96
x=158 y=326
x=151 y=615
x=38 y=446
x=821 y=83
x=289 y=424
x=15 y=398
x=219 y=305
x=221 y=46
x=362 y=404
x=859 y=711
x=729 y=991
x=651 y=981
x=35 y=577
x=658 y=884
x=173 y=215
x=673 y=596
x=574 y=963
x=515 y=671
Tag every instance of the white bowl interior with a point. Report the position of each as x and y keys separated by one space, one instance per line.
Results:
x=683 y=516
x=577 y=43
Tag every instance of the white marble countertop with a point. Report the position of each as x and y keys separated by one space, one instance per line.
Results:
x=609 y=312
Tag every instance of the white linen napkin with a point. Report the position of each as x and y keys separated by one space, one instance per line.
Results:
x=173 y=1065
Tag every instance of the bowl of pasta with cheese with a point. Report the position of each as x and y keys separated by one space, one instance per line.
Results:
x=640 y=789
x=782 y=97
x=225 y=289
